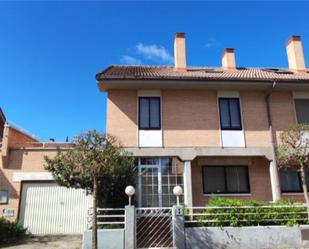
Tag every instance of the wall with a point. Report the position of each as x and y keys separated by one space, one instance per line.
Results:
x=22 y=154
x=18 y=139
x=259 y=178
x=190 y=118
x=282 y=112
x=20 y=160
x=255 y=119
x=273 y=237
x=122 y=116
x=107 y=239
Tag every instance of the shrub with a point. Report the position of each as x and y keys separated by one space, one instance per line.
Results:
x=11 y=231
x=252 y=213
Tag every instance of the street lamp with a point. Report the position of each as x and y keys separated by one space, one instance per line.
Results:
x=177 y=190
x=130 y=191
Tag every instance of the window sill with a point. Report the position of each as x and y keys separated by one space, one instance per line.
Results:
x=240 y=194
x=291 y=193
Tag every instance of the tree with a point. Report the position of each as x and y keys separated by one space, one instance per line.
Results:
x=93 y=163
x=294 y=151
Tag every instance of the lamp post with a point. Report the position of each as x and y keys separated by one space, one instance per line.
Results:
x=130 y=191
x=177 y=190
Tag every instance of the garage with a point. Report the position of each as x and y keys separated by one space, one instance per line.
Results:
x=47 y=208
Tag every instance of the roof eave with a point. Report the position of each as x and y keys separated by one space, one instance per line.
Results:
x=107 y=84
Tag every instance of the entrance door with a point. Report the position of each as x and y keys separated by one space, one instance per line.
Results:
x=150 y=186
x=157 y=178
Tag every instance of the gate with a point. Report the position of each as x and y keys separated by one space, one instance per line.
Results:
x=154 y=228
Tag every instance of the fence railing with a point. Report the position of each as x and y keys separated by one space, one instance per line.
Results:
x=246 y=215
x=107 y=218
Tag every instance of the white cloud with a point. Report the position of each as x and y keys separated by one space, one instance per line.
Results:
x=211 y=42
x=154 y=52
x=126 y=59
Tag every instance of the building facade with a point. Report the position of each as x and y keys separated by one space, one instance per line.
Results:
x=213 y=131
x=29 y=193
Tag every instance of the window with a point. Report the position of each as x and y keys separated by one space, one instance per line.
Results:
x=156 y=180
x=225 y=179
x=149 y=113
x=230 y=117
x=4 y=196
x=290 y=181
x=302 y=110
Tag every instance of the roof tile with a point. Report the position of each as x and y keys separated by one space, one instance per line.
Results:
x=120 y=72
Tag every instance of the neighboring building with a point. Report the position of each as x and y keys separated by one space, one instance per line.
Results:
x=29 y=193
x=211 y=130
x=2 y=123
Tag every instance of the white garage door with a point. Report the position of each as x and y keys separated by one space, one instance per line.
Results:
x=47 y=208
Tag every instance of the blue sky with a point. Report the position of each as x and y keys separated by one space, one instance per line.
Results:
x=51 y=51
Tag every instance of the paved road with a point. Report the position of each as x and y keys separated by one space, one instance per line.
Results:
x=48 y=242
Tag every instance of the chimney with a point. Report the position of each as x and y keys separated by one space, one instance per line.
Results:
x=228 y=59
x=295 y=54
x=180 y=52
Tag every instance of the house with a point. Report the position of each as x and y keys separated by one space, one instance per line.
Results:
x=2 y=123
x=211 y=130
x=28 y=192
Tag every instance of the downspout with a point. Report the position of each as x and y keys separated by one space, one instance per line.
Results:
x=273 y=168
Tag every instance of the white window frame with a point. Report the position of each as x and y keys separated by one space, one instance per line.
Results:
x=150 y=138
x=227 y=137
x=159 y=167
x=6 y=194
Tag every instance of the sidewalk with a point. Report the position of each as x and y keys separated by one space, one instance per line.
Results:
x=48 y=242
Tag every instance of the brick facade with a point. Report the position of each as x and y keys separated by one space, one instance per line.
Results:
x=21 y=153
x=122 y=116
x=190 y=118
x=259 y=178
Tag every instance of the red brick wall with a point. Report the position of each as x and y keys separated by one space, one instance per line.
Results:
x=259 y=178
x=190 y=118
x=122 y=116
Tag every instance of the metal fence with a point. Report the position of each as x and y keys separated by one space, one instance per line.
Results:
x=107 y=218
x=154 y=228
x=246 y=215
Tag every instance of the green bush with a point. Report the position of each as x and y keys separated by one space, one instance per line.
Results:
x=257 y=213
x=11 y=231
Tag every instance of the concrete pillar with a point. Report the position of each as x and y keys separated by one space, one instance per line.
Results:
x=129 y=228
x=179 y=240
x=187 y=183
x=274 y=180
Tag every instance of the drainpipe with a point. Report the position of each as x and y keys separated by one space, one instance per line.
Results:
x=273 y=167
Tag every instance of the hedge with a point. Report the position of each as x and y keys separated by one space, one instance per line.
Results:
x=11 y=231
x=279 y=213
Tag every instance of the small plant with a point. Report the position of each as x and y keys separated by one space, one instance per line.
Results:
x=11 y=231
x=237 y=213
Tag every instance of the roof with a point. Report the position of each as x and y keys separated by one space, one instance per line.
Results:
x=125 y=72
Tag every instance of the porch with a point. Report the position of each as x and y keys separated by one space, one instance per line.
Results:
x=247 y=177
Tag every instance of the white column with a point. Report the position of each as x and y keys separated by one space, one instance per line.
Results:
x=274 y=181
x=187 y=183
